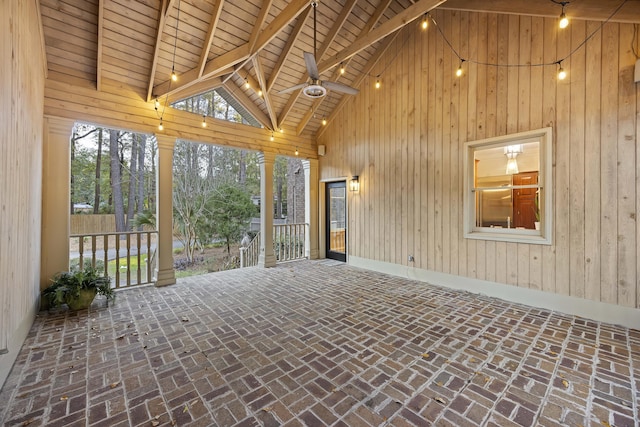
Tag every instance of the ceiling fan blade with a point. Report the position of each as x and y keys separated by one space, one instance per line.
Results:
x=339 y=87
x=292 y=88
x=312 y=67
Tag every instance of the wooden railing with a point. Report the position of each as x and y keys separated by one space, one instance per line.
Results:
x=288 y=245
x=249 y=254
x=128 y=258
x=289 y=241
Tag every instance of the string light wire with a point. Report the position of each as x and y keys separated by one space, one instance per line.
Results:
x=557 y=62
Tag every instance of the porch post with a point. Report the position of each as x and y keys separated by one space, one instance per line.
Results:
x=266 y=258
x=56 y=197
x=311 y=207
x=165 y=275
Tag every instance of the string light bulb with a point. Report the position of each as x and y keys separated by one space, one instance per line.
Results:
x=296 y=152
x=378 y=84
x=156 y=104
x=204 y=121
x=324 y=121
x=174 y=76
x=272 y=138
x=281 y=130
x=160 y=127
x=342 y=69
x=425 y=22
x=564 y=21
x=562 y=74
x=246 y=82
x=459 y=70
x=260 y=93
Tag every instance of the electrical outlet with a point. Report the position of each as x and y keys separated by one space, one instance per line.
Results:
x=411 y=258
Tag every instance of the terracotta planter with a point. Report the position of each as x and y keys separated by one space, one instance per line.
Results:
x=83 y=301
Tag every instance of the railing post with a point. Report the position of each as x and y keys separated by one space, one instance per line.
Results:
x=242 y=256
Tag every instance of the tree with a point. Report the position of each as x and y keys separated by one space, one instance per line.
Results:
x=231 y=210
x=116 y=180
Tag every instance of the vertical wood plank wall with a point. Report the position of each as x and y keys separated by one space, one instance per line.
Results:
x=405 y=141
x=21 y=121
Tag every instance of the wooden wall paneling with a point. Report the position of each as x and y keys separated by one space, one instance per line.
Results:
x=627 y=215
x=637 y=191
x=576 y=212
x=411 y=85
x=447 y=82
x=512 y=125
x=549 y=118
x=481 y=113
x=524 y=123
x=502 y=81
x=428 y=221
x=594 y=142
x=592 y=172
x=463 y=136
x=423 y=123
x=416 y=155
x=401 y=145
x=437 y=155
x=536 y=122
x=609 y=166
x=397 y=71
x=563 y=177
x=455 y=157
x=472 y=121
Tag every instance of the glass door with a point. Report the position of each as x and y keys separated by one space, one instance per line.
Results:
x=336 y=220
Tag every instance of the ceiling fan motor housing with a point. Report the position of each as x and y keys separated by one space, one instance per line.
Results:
x=314 y=91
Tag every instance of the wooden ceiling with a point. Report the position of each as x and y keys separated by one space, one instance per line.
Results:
x=223 y=43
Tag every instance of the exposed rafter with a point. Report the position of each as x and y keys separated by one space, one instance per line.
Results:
x=293 y=37
x=382 y=48
x=264 y=12
x=336 y=74
x=213 y=25
x=265 y=96
x=238 y=55
x=386 y=28
x=162 y=19
x=248 y=104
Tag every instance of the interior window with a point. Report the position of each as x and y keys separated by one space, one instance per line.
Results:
x=506 y=182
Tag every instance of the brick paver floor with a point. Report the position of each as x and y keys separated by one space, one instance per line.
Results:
x=315 y=343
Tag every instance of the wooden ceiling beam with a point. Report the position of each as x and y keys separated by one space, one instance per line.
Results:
x=262 y=16
x=202 y=86
x=165 y=7
x=384 y=46
x=400 y=20
x=257 y=65
x=335 y=29
x=373 y=20
x=241 y=54
x=213 y=25
x=248 y=104
x=293 y=37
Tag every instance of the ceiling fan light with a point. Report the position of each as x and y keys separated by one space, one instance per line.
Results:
x=314 y=91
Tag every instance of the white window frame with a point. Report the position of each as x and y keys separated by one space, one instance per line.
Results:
x=541 y=237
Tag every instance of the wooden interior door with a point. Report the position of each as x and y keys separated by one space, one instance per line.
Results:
x=524 y=204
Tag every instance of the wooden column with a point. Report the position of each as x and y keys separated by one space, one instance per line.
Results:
x=165 y=275
x=311 y=207
x=267 y=258
x=56 y=197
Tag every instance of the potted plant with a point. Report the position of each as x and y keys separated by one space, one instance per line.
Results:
x=77 y=288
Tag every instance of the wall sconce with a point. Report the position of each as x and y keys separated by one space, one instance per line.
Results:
x=354 y=184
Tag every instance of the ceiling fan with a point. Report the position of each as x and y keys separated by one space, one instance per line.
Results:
x=316 y=88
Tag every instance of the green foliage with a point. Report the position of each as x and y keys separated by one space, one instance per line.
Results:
x=67 y=285
x=231 y=210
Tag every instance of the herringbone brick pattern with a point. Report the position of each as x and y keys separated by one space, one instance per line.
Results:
x=315 y=344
